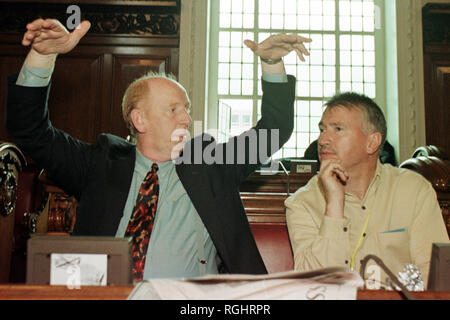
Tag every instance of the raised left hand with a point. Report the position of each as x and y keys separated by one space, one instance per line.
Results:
x=277 y=46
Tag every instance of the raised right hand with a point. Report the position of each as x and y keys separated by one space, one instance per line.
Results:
x=332 y=179
x=49 y=36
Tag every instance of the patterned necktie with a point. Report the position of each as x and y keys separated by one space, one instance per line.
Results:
x=141 y=221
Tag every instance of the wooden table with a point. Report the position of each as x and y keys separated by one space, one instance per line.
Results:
x=43 y=292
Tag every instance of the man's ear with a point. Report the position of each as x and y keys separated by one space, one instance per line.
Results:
x=138 y=119
x=373 y=142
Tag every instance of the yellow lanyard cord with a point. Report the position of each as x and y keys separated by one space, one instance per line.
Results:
x=352 y=261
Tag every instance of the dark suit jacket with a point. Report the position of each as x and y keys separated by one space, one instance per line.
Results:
x=99 y=176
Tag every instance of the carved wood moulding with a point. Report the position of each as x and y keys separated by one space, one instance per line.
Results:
x=106 y=17
x=436 y=23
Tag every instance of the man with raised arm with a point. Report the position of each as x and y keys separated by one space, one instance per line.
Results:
x=186 y=219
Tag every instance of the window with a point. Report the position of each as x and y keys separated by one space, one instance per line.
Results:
x=343 y=58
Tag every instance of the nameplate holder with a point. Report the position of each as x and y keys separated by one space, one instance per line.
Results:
x=76 y=261
x=304 y=166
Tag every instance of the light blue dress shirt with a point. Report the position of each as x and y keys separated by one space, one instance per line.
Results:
x=180 y=245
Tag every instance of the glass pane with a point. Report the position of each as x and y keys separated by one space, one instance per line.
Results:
x=247 y=87
x=316 y=57
x=346 y=86
x=357 y=74
x=316 y=23
x=369 y=90
x=358 y=87
x=235 y=55
x=236 y=6
x=316 y=89
x=346 y=74
x=329 y=89
x=248 y=7
x=356 y=8
x=345 y=42
x=315 y=123
x=303 y=124
x=356 y=23
x=316 y=108
x=225 y=6
x=241 y=111
x=248 y=21
x=224 y=54
x=303 y=22
x=277 y=7
x=369 y=24
x=357 y=42
x=329 y=23
x=329 y=73
x=236 y=20
x=236 y=39
x=368 y=8
x=224 y=39
x=316 y=73
x=329 y=57
x=345 y=58
x=247 y=71
x=369 y=74
x=247 y=55
x=315 y=7
x=290 y=21
x=303 y=108
x=344 y=8
x=369 y=43
x=303 y=88
x=224 y=70
x=357 y=58
x=223 y=86
x=235 y=71
x=225 y=20
x=369 y=58
x=329 y=41
x=277 y=21
x=303 y=7
x=290 y=6
x=329 y=8
x=303 y=140
x=302 y=72
x=264 y=21
x=264 y=6
x=235 y=86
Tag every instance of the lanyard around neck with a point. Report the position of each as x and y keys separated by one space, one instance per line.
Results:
x=352 y=261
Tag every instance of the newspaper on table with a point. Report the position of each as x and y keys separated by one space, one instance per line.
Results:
x=335 y=283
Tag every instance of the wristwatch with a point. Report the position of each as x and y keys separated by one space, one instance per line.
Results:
x=270 y=61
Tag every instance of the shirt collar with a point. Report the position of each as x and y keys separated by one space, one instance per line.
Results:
x=375 y=180
x=372 y=186
x=144 y=164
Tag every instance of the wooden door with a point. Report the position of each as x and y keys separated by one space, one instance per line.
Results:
x=436 y=26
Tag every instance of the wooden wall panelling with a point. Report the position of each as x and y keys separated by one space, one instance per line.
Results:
x=437 y=93
x=436 y=47
x=125 y=40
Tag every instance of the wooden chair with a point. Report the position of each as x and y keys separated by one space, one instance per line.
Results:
x=434 y=164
